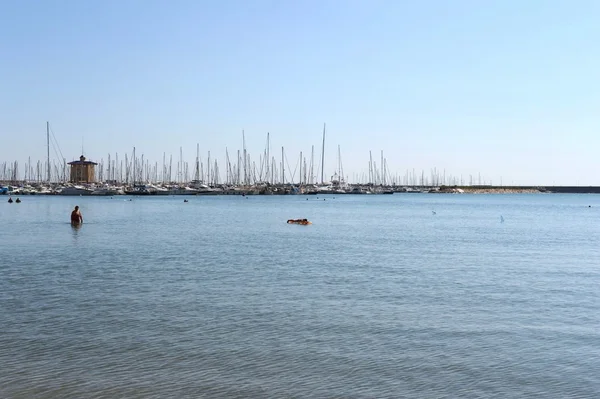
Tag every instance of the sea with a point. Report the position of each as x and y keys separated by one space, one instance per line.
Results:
x=382 y=296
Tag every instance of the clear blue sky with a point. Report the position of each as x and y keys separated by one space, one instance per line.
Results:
x=506 y=88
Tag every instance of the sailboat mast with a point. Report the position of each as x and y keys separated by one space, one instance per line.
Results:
x=228 y=172
x=312 y=164
x=197 y=175
x=323 y=155
x=282 y=167
x=245 y=158
x=300 y=179
x=180 y=177
x=208 y=170
x=370 y=168
x=382 y=180
x=238 y=181
x=268 y=156
x=305 y=180
x=48 y=145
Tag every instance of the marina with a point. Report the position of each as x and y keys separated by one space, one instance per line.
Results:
x=104 y=189
x=244 y=175
x=241 y=173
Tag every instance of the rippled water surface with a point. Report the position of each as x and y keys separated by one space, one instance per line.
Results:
x=379 y=298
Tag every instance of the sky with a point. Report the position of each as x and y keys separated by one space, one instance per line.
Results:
x=505 y=89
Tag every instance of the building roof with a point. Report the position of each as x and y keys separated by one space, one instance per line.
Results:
x=82 y=161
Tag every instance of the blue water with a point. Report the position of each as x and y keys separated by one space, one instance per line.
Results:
x=378 y=298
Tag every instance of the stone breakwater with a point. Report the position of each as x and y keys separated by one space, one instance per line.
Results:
x=503 y=191
x=490 y=190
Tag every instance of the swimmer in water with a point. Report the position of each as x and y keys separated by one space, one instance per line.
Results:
x=76 y=217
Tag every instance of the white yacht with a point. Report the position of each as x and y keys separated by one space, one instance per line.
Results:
x=75 y=190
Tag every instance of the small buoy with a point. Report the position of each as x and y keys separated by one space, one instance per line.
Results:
x=185 y=200
x=10 y=201
x=18 y=201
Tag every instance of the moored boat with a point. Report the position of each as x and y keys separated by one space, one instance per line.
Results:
x=75 y=190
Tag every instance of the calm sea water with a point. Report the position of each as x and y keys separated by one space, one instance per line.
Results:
x=379 y=298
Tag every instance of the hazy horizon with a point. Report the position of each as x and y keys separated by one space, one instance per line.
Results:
x=505 y=90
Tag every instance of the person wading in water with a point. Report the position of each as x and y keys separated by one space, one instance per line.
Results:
x=76 y=217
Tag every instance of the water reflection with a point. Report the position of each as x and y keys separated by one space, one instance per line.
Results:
x=75 y=227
